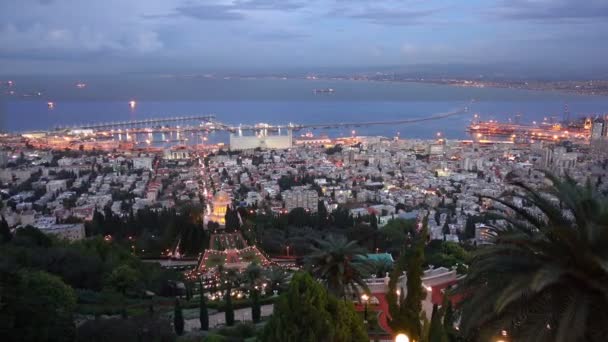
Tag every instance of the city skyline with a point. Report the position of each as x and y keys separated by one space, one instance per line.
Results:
x=303 y=170
x=44 y=36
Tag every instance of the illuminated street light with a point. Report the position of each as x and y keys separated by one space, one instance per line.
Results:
x=402 y=338
x=365 y=298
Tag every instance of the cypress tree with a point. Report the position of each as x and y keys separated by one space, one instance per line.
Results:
x=374 y=221
x=448 y=319
x=446 y=226
x=322 y=214
x=436 y=332
x=5 y=231
x=256 y=310
x=405 y=312
x=178 y=318
x=469 y=228
x=229 y=310
x=415 y=295
x=188 y=290
x=203 y=314
x=227 y=218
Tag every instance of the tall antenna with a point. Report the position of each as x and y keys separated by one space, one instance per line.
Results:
x=566 y=113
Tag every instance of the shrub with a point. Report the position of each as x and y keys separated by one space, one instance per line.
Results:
x=241 y=330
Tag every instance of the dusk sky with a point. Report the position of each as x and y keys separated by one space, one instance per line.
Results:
x=95 y=36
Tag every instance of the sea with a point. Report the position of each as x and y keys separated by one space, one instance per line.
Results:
x=279 y=101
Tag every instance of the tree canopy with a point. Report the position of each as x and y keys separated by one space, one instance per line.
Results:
x=36 y=306
x=307 y=312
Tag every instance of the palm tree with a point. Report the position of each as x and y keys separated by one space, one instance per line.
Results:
x=277 y=278
x=229 y=279
x=545 y=277
x=339 y=264
x=381 y=267
x=252 y=279
x=252 y=275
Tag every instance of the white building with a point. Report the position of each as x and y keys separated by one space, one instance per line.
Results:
x=142 y=163
x=176 y=153
x=598 y=130
x=558 y=158
x=4 y=158
x=56 y=185
x=71 y=232
x=253 y=197
x=307 y=199
x=250 y=142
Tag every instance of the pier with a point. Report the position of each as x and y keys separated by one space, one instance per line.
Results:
x=209 y=123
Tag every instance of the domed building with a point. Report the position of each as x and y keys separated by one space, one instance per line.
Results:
x=220 y=202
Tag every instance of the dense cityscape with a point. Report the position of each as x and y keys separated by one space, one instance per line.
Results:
x=303 y=171
x=119 y=229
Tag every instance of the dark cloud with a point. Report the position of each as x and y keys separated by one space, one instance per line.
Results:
x=394 y=17
x=209 y=12
x=385 y=16
x=556 y=10
x=277 y=5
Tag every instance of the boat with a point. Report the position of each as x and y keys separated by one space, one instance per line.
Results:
x=324 y=91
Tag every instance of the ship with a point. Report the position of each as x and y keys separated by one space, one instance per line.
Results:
x=324 y=91
x=543 y=131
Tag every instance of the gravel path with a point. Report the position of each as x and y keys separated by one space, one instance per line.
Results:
x=218 y=318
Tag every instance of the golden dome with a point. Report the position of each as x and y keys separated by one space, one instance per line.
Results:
x=221 y=197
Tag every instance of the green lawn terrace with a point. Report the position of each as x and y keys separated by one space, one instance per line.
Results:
x=225 y=241
x=230 y=250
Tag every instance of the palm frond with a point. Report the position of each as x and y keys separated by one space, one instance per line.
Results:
x=545 y=275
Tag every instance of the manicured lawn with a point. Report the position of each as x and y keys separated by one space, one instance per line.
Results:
x=250 y=256
x=215 y=260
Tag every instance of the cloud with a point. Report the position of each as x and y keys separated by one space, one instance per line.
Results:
x=209 y=12
x=229 y=11
x=275 y=5
x=280 y=36
x=46 y=42
x=144 y=41
x=551 y=10
x=409 y=49
x=428 y=52
x=384 y=13
x=394 y=17
x=376 y=51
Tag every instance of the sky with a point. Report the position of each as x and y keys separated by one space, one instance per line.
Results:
x=107 y=36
